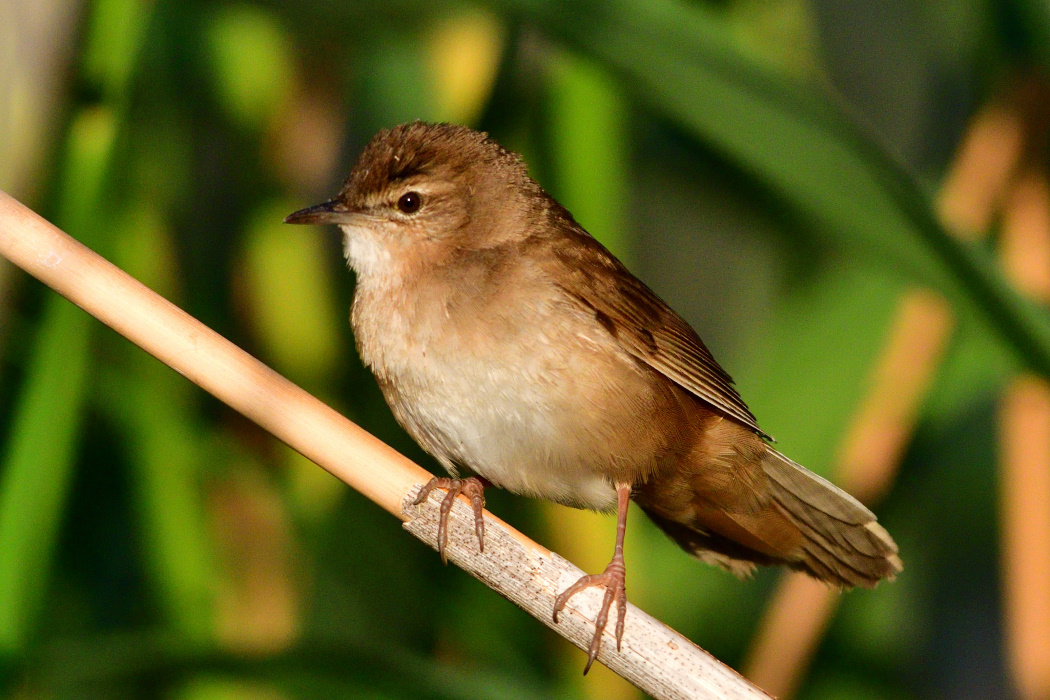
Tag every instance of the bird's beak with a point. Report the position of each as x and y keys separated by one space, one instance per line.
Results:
x=333 y=211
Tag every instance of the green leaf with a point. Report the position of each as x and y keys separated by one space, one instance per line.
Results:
x=38 y=464
x=589 y=153
x=37 y=461
x=251 y=60
x=115 y=32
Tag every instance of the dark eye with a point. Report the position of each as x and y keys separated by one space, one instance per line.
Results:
x=409 y=202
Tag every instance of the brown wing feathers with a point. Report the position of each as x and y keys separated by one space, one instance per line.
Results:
x=648 y=328
x=800 y=519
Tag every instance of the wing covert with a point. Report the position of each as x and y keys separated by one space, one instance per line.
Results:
x=646 y=326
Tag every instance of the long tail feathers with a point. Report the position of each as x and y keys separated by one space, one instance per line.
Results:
x=793 y=517
x=842 y=543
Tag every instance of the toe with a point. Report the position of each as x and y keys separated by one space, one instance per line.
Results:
x=471 y=487
x=615 y=593
x=446 y=509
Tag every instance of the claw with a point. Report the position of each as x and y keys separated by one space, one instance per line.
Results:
x=613 y=578
x=472 y=487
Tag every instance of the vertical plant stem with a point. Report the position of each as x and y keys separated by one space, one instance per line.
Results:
x=1024 y=422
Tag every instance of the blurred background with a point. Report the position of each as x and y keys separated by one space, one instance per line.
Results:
x=849 y=201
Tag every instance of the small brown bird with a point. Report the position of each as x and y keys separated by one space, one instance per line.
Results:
x=509 y=342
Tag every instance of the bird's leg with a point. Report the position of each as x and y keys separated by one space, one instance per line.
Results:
x=613 y=578
x=472 y=487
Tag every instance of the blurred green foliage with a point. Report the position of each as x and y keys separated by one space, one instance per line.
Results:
x=771 y=184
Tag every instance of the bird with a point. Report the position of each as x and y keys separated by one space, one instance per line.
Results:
x=521 y=354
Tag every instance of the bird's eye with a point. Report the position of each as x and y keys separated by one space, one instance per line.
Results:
x=409 y=203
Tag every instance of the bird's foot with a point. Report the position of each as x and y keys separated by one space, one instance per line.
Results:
x=473 y=488
x=614 y=580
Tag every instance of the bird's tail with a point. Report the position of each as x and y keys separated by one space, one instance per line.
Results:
x=798 y=519
x=841 y=541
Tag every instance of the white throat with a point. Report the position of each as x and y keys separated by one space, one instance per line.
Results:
x=365 y=255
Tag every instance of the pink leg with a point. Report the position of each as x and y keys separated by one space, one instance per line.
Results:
x=613 y=578
x=472 y=487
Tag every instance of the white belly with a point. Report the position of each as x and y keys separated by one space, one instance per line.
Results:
x=498 y=420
